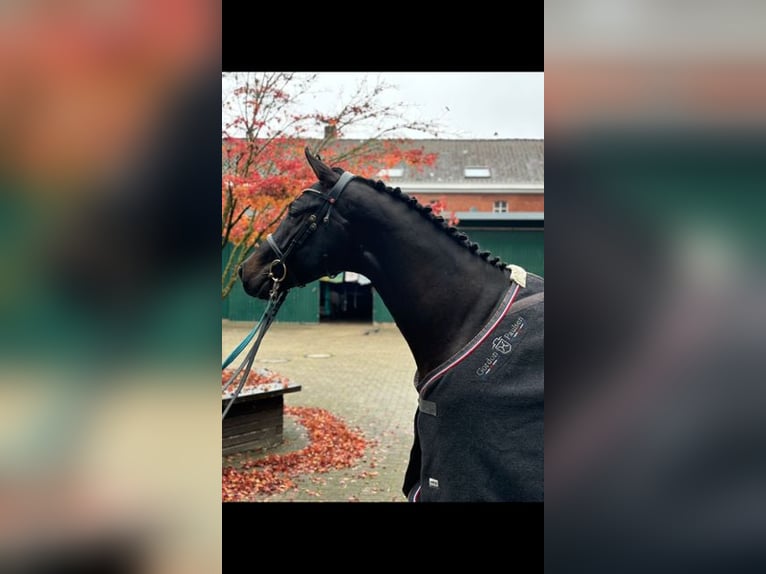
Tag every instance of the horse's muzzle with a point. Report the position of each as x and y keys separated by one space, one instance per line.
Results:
x=254 y=285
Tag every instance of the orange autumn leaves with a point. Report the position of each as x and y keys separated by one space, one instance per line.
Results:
x=276 y=172
x=254 y=382
x=332 y=445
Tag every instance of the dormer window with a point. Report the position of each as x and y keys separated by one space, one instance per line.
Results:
x=474 y=172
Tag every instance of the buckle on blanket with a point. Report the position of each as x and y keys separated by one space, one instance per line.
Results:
x=427 y=407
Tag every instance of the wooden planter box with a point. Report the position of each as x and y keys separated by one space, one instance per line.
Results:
x=255 y=420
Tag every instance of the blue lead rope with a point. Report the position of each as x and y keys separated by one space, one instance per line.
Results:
x=241 y=347
x=275 y=301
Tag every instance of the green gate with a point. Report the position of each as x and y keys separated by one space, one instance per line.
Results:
x=524 y=247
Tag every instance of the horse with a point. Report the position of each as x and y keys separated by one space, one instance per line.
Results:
x=474 y=326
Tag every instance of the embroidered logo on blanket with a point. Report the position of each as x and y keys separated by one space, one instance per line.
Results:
x=502 y=345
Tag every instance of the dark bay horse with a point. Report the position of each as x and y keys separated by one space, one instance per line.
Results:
x=474 y=326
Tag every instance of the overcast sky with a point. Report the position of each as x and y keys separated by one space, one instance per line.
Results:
x=468 y=105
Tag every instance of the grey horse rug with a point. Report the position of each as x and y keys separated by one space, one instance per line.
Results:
x=479 y=424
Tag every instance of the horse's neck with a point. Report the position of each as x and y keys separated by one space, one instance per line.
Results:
x=438 y=292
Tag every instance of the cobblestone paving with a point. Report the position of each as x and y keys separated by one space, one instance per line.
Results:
x=366 y=381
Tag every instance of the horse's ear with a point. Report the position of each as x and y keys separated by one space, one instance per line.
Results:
x=323 y=171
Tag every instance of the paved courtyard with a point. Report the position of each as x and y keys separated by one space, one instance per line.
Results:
x=366 y=380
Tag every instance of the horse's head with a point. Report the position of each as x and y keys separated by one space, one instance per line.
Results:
x=312 y=241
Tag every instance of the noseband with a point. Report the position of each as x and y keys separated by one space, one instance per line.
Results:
x=322 y=214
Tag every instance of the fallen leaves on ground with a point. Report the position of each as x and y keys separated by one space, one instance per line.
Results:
x=332 y=445
x=265 y=381
x=367 y=474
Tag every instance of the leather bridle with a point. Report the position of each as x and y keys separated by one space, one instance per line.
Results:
x=322 y=215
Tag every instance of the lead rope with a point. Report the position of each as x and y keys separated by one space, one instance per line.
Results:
x=276 y=298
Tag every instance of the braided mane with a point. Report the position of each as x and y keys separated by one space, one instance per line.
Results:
x=439 y=222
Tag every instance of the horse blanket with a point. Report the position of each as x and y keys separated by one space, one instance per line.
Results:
x=479 y=423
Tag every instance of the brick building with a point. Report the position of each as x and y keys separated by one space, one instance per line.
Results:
x=484 y=176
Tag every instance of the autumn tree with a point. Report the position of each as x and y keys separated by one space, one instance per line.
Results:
x=265 y=128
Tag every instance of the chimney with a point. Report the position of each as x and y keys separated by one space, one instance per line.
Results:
x=329 y=131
